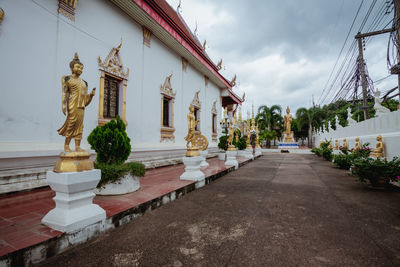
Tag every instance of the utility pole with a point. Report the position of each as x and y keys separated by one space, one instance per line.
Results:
x=397 y=28
x=363 y=80
x=359 y=37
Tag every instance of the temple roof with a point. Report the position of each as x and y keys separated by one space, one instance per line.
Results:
x=172 y=23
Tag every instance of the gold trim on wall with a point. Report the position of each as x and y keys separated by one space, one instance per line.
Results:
x=214 y=136
x=184 y=64
x=67 y=8
x=147 y=36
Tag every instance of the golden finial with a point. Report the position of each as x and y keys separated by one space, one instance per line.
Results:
x=233 y=82
x=204 y=44
x=243 y=97
x=119 y=47
x=1 y=14
x=219 y=66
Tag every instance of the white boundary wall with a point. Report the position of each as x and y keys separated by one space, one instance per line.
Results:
x=387 y=125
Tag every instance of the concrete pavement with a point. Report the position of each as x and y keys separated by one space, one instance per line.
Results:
x=283 y=209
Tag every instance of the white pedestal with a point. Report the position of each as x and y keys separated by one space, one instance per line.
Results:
x=74 y=194
x=241 y=153
x=231 y=159
x=258 y=152
x=249 y=153
x=204 y=154
x=125 y=185
x=221 y=156
x=192 y=169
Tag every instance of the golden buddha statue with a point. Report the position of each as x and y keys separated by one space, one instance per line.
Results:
x=377 y=152
x=357 y=145
x=231 y=147
x=237 y=138
x=192 y=150
x=336 y=147
x=75 y=98
x=248 y=145
x=330 y=144
x=345 y=146
x=288 y=126
x=257 y=139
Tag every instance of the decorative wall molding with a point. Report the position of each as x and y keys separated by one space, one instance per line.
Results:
x=147 y=34
x=166 y=88
x=113 y=63
x=196 y=102
x=214 y=108
x=167 y=133
x=67 y=8
x=184 y=64
x=113 y=66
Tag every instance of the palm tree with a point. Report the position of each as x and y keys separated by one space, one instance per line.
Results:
x=268 y=118
x=309 y=117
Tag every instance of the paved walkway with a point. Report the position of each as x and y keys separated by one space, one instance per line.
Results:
x=283 y=209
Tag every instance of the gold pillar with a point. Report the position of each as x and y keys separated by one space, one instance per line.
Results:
x=101 y=96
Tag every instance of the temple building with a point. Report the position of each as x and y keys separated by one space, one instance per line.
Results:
x=146 y=64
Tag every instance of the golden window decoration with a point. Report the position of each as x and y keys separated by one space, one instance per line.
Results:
x=214 y=134
x=67 y=8
x=197 y=107
x=147 y=36
x=113 y=83
x=167 y=111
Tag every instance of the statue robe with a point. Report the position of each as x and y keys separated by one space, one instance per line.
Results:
x=75 y=99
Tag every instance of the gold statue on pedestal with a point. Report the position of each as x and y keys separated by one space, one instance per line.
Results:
x=330 y=144
x=288 y=126
x=257 y=138
x=248 y=145
x=231 y=147
x=357 y=145
x=75 y=98
x=192 y=150
x=345 y=146
x=378 y=151
x=336 y=145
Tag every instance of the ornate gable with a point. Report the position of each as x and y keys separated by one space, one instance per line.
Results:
x=166 y=88
x=214 y=107
x=196 y=102
x=113 y=63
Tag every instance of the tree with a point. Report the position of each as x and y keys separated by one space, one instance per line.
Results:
x=269 y=119
x=309 y=117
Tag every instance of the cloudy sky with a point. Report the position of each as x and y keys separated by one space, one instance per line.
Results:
x=283 y=51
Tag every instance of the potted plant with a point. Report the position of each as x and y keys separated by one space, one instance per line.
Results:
x=379 y=172
x=223 y=146
x=112 y=146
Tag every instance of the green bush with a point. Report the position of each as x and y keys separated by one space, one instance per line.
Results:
x=376 y=170
x=111 y=173
x=110 y=142
x=223 y=142
x=241 y=144
x=327 y=153
x=343 y=161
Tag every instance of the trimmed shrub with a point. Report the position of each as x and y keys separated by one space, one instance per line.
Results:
x=111 y=173
x=223 y=142
x=110 y=142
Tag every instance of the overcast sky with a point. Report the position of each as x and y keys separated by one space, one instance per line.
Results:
x=283 y=51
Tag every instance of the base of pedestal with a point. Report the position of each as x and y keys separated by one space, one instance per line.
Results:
x=74 y=195
x=257 y=152
x=204 y=154
x=288 y=145
x=192 y=169
x=249 y=153
x=231 y=159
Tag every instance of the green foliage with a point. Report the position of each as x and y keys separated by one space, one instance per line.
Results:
x=110 y=142
x=327 y=153
x=375 y=170
x=111 y=173
x=223 y=143
x=241 y=144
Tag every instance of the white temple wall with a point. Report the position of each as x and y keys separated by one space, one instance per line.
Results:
x=38 y=44
x=387 y=125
